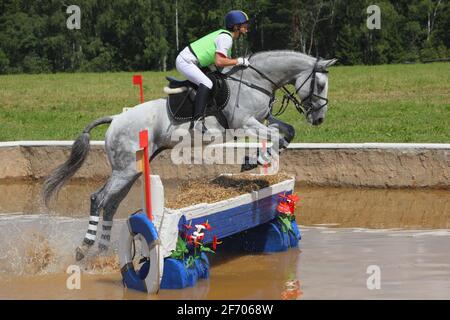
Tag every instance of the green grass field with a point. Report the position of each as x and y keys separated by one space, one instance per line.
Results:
x=390 y=103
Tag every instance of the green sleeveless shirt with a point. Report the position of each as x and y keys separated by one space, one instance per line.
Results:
x=205 y=48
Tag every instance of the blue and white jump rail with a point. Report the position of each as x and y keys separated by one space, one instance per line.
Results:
x=247 y=222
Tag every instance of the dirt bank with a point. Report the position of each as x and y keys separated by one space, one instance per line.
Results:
x=380 y=167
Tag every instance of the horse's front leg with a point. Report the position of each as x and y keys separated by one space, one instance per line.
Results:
x=286 y=130
x=254 y=128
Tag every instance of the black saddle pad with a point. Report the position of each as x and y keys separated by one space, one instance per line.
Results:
x=181 y=105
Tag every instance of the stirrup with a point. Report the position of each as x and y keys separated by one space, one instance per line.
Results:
x=195 y=123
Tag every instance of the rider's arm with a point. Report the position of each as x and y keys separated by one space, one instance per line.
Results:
x=223 y=43
x=222 y=61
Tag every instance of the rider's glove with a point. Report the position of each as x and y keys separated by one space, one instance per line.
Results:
x=243 y=62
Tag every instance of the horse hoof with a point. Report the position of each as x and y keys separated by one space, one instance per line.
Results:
x=79 y=254
x=247 y=166
x=102 y=248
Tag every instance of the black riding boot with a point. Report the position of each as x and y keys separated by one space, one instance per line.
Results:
x=201 y=100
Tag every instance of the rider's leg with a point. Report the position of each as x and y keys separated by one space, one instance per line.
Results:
x=195 y=75
x=192 y=72
x=201 y=100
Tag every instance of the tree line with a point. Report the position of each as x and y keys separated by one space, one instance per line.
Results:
x=132 y=35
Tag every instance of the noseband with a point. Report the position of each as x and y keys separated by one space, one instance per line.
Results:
x=306 y=103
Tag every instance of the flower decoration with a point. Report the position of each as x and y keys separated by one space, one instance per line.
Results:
x=191 y=244
x=215 y=243
x=207 y=225
x=294 y=198
x=283 y=208
x=286 y=210
x=290 y=200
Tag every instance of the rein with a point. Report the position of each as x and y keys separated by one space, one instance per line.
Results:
x=288 y=95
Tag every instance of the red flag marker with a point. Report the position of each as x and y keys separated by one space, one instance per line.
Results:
x=143 y=143
x=264 y=149
x=137 y=80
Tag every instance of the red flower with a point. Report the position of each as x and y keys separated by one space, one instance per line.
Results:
x=292 y=207
x=283 y=207
x=207 y=225
x=201 y=237
x=292 y=197
x=215 y=243
x=281 y=195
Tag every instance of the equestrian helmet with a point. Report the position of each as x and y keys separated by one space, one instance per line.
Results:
x=235 y=17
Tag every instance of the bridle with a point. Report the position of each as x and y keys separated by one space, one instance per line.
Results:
x=304 y=106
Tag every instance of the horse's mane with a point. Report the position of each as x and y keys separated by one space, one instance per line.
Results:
x=270 y=53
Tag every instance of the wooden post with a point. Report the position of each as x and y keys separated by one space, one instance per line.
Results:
x=144 y=166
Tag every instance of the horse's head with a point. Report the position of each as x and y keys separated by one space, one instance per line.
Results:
x=312 y=88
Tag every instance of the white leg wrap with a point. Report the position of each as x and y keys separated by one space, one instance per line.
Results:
x=90 y=236
x=94 y=218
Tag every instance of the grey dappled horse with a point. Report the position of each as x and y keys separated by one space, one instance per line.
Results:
x=251 y=93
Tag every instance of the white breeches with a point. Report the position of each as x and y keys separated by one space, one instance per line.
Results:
x=186 y=64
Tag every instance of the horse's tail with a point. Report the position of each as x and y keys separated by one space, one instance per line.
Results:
x=65 y=171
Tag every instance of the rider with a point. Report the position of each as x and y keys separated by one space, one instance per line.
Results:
x=212 y=49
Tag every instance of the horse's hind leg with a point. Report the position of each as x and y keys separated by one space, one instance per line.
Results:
x=91 y=233
x=119 y=189
x=107 y=198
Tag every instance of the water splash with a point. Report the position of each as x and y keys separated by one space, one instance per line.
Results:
x=44 y=244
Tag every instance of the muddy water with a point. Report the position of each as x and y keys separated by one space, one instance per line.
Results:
x=334 y=207
x=375 y=208
x=405 y=233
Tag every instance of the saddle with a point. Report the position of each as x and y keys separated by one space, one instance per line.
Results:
x=181 y=98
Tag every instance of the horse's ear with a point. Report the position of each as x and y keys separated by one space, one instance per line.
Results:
x=329 y=63
x=324 y=64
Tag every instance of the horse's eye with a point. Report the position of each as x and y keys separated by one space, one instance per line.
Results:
x=320 y=87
